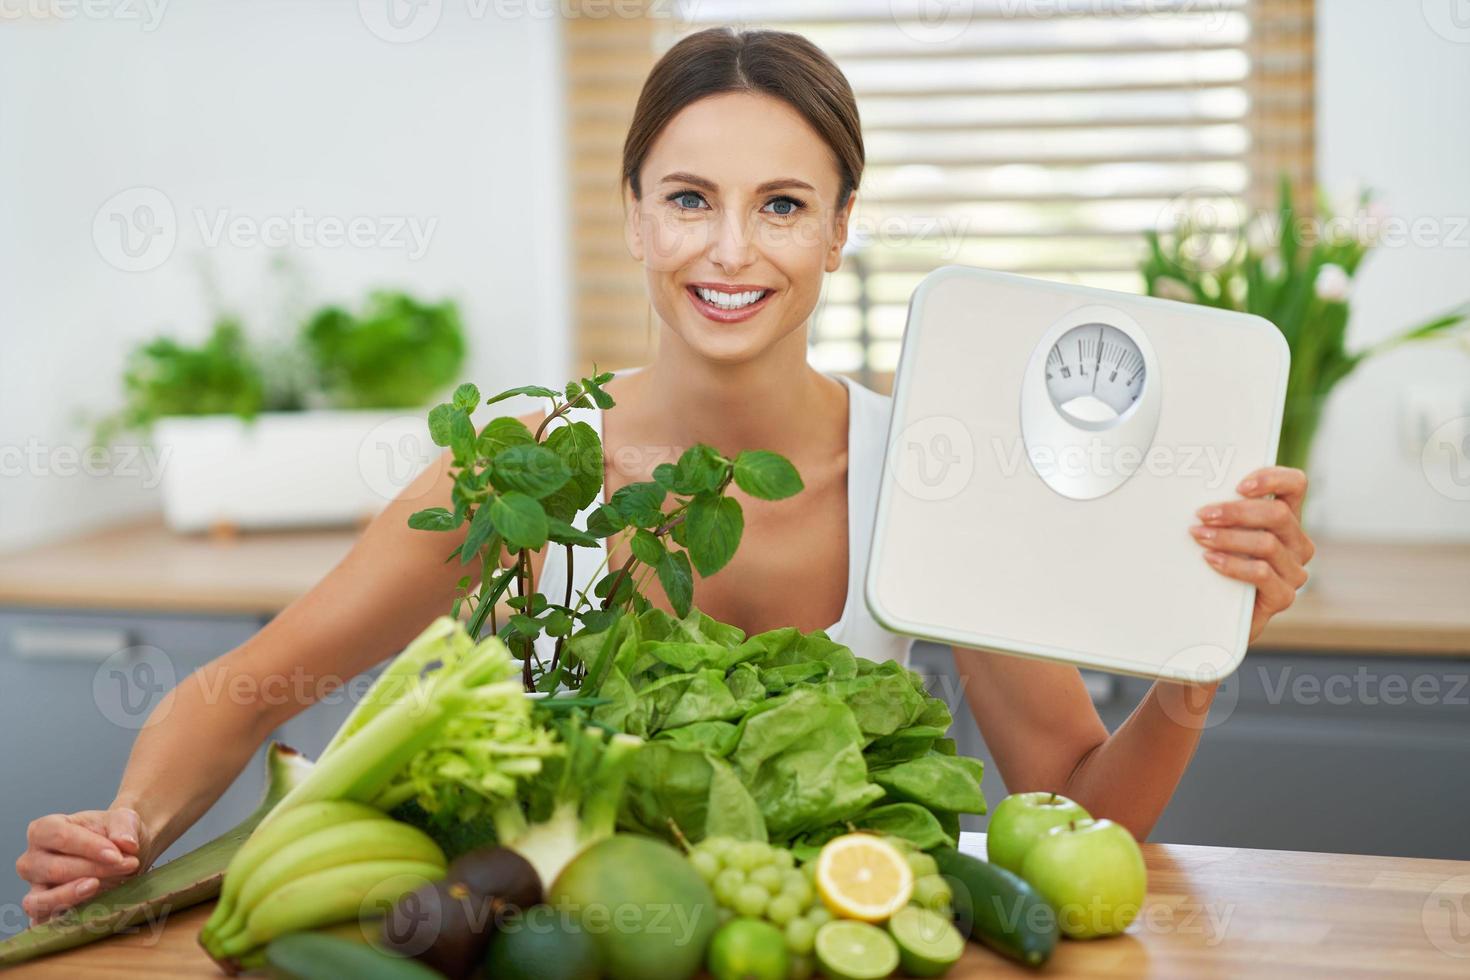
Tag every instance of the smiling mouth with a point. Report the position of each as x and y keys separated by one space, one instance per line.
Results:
x=728 y=307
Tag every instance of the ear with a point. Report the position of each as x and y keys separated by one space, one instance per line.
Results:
x=632 y=223
x=842 y=217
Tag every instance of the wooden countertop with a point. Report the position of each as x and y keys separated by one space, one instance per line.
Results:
x=1369 y=596
x=1211 y=912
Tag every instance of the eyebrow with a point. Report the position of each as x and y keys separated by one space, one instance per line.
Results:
x=679 y=177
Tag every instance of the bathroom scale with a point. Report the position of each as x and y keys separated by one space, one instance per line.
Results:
x=1048 y=448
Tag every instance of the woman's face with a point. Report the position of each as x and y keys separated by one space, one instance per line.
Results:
x=737 y=223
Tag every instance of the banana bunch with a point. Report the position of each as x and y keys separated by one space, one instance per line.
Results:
x=314 y=865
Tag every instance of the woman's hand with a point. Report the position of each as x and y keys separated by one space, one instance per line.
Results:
x=1260 y=539
x=70 y=857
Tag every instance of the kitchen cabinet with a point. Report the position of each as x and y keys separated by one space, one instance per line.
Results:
x=1305 y=751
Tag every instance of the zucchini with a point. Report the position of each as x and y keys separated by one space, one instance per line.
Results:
x=319 y=956
x=997 y=908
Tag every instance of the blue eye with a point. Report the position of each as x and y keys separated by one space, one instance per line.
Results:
x=679 y=199
x=793 y=206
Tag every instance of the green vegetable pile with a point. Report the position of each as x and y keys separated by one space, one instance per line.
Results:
x=781 y=736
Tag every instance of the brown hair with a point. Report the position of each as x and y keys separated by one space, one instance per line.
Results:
x=776 y=63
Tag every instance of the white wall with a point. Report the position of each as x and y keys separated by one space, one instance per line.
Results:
x=1393 y=112
x=248 y=111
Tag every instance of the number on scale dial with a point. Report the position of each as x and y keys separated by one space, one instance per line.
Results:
x=1094 y=373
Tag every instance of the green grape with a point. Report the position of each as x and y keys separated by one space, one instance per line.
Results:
x=749 y=855
x=706 y=863
x=718 y=846
x=810 y=870
x=782 y=909
x=728 y=884
x=922 y=864
x=768 y=876
x=798 y=888
x=751 y=900
x=783 y=858
x=800 y=968
x=818 y=916
x=932 y=892
x=800 y=934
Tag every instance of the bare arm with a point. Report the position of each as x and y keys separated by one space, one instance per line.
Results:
x=1040 y=725
x=391 y=584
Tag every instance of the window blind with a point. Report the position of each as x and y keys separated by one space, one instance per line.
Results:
x=1035 y=136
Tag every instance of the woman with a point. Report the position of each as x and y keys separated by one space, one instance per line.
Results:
x=739 y=174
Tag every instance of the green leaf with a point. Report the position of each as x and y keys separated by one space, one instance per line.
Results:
x=482 y=526
x=766 y=475
x=677 y=579
x=525 y=625
x=713 y=526
x=520 y=520
x=647 y=548
x=501 y=433
x=557 y=623
x=640 y=503
x=594 y=388
x=561 y=532
x=699 y=470
x=533 y=470
x=579 y=448
x=461 y=436
x=536 y=391
x=439 y=417
x=432 y=519
x=466 y=397
x=605 y=521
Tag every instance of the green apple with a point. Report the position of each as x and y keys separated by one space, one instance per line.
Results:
x=1092 y=873
x=1021 y=820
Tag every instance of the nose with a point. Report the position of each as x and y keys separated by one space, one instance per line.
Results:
x=732 y=247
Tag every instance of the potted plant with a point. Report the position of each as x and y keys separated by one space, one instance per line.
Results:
x=1296 y=270
x=312 y=435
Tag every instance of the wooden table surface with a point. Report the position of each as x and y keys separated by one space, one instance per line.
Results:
x=1368 y=596
x=1211 y=912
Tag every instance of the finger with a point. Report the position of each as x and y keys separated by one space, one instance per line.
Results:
x=1268 y=514
x=1287 y=482
x=48 y=868
x=1256 y=544
x=42 y=903
x=59 y=834
x=1271 y=591
x=125 y=829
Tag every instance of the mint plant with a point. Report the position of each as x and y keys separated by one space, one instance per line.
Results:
x=519 y=491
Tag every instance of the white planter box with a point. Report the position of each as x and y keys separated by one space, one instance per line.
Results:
x=288 y=469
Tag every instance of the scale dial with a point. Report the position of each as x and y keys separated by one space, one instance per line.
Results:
x=1094 y=374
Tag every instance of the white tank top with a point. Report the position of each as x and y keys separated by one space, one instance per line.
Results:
x=867 y=433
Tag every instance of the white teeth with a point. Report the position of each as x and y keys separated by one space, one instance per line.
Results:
x=729 y=301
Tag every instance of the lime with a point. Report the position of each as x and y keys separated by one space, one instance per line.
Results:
x=542 y=945
x=748 y=949
x=928 y=943
x=849 y=950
